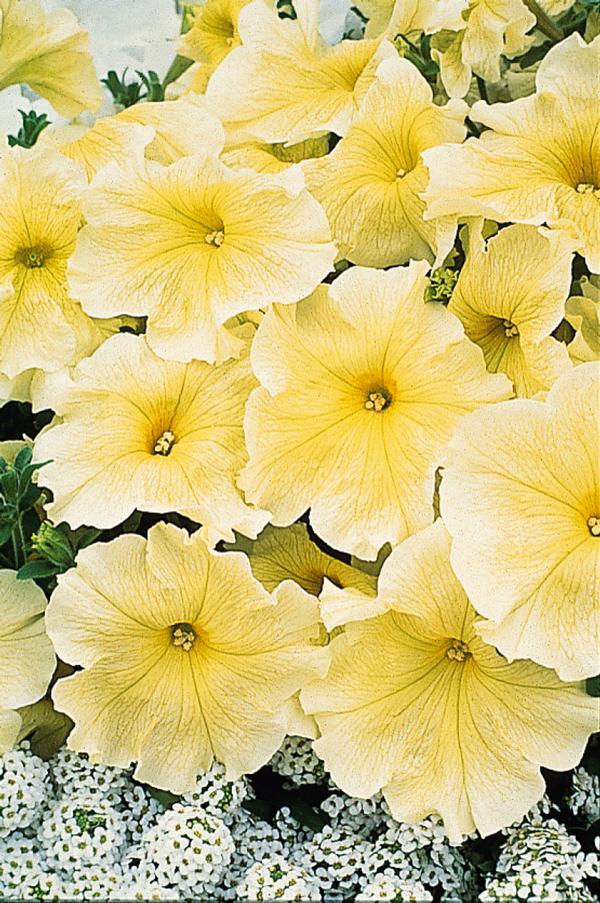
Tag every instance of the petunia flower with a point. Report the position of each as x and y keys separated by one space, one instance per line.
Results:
x=417 y=705
x=213 y=31
x=284 y=84
x=288 y=553
x=186 y=657
x=370 y=184
x=583 y=313
x=49 y=52
x=411 y=17
x=40 y=213
x=510 y=296
x=27 y=659
x=488 y=31
x=521 y=498
x=136 y=431
x=162 y=131
x=537 y=163
x=193 y=244
x=362 y=386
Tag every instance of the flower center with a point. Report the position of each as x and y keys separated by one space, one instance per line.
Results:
x=378 y=400
x=215 y=238
x=458 y=651
x=183 y=636
x=400 y=173
x=510 y=330
x=164 y=444
x=587 y=188
x=593 y=524
x=32 y=258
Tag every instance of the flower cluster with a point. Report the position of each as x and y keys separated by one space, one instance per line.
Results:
x=302 y=338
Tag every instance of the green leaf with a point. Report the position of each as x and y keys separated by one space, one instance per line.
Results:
x=31 y=129
x=38 y=569
x=164 y=797
x=179 y=65
x=23 y=458
x=307 y=816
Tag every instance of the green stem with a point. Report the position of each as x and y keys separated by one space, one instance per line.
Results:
x=21 y=539
x=544 y=22
x=481 y=86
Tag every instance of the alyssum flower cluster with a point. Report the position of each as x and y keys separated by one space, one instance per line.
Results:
x=315 y=332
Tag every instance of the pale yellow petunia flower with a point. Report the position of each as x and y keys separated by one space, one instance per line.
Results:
x=40 y=214
x=490 y=29
x=288 y=553
x=540 y=160
x=136 y=431
x=49 y=52
x=213 y=32
x=416 y=705
x=362 y=385
x=284 y=84
x=583 y=313
x=193 y=244
x=370 y=184
x=510 y=296
x=27 y=659
x=186 y=657
x=521 y=498
x=163 y=131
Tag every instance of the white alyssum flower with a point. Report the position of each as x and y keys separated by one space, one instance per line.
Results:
x=541 y=861
x=337 y=859
x=363 y=817
x=277 y=879
x=216 y=794
x=421 y=852
x=188 y=849
x=74 y=775
x=81 y=833
x=24 y=788
x=23 y=870
x=96 y=882
x=296 y=760
x=386 y=887
x=584 y=797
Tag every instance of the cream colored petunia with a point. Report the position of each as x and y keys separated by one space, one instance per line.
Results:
x=539 y=162
x=416 y=705
x=162 y=131
x=48 y=52
x=583 y=313
x=186 y=657
x=411 y=17
x=521 y=498
x=490 y=29
x=284 y=84
x=27 y=659
x=370 y=184
x=40 y=213
x=138 y=432
x=273 y=157
x=193 y=244
x=213 y=31
x=510 y=296
x=288 y=553
x=362 y=385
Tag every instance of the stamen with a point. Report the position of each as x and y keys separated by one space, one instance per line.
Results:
x=587 y=188
x=378 y=401
x=183 y=636
x=215 y=238
x=593 y=524
x=32 y=258
x=458 y=651
x=400 y=173
x=164 y=443
x=510 y=330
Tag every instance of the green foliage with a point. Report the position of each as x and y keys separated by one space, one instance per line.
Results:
x=44 y=728
x=441 y=285
x=285 y=9
x=419 y=55
x=31 y=128
x=18 y=496
x=147 y=87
